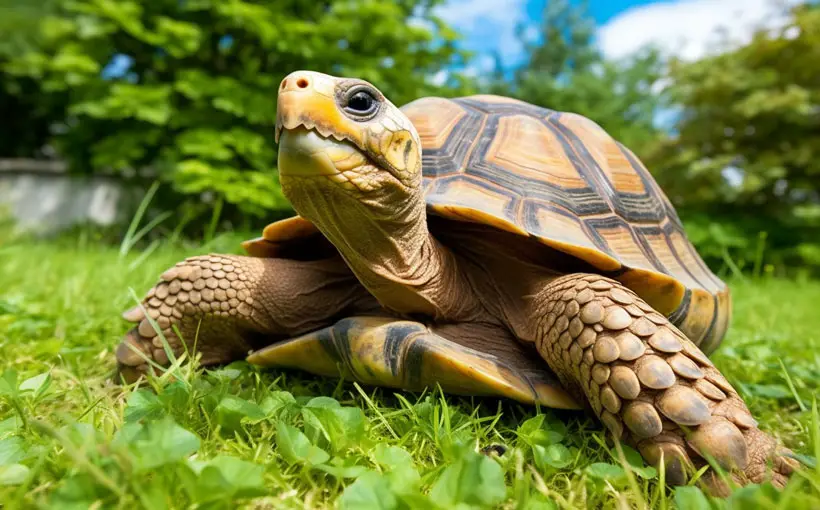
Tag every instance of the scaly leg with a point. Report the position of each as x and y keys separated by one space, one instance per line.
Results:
x=230 y=305
x=651 y=386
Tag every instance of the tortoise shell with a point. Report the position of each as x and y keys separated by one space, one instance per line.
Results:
x=561 y=179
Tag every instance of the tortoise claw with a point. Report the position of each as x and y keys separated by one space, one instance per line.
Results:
x=134 y=314
x=135 y=354
x=131 y=351
x=129 y=374
x=132 y=356
x=723 y=441
x=768 y=460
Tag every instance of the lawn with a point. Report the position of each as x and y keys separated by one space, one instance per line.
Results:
x=237 y=435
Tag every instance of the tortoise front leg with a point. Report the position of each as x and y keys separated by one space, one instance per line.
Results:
x=227 y=305
x=650 y=385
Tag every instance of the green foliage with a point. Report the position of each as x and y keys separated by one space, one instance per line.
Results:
x=566 y=71
x=185 y=91
x=747 y=151
x=691 y=498
x=29 y=111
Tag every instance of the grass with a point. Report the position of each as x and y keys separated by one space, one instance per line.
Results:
x=239 y=436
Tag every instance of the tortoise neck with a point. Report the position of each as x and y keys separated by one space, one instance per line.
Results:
x=385 y=241
x=397 y=259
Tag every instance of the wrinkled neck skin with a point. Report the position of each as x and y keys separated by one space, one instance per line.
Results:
x=383 y=237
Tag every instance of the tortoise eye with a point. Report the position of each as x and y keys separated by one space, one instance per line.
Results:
x=361 y=103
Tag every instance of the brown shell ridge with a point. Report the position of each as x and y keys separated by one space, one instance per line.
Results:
x=710 y=285
x=716 y=283
x=652 y=200
x=582 y=202
x=532 y=225
x=449 y=158
x=491 y=104
x=598 y=179
x=672 y=215
x=639 y=234
x=650 y=183
x=583 y=162
x=682 y=310
x=653 y=193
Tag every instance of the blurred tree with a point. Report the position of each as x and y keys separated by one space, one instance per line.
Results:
x=27 y=111
x=747 y=152
x=566 y=71
x=187 y=90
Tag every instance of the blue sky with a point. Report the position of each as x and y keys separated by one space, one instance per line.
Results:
x=687 y=28
x=484 y=38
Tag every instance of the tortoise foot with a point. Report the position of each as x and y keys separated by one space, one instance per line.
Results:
x=768 y=460
x=651 y=386
x=209 y=301
x=745 y=454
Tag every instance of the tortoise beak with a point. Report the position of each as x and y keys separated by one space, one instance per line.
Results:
x=307 y=99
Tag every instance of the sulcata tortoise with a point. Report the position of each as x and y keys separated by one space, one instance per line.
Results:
x=483 y=244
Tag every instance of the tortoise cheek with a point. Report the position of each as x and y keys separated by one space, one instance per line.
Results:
x=399 y=150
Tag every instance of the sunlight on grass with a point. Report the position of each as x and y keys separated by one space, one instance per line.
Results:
x=238 y=435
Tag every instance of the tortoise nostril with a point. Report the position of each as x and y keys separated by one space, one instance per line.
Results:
x=302 y=83
x=284 y=84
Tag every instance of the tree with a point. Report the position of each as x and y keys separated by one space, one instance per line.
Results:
x=747 y=152
x=186 y=90
x=27 y=111
x=566 y=71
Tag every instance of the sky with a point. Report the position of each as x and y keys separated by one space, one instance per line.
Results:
x=686 y=28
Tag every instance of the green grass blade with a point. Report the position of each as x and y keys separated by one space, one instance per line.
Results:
x=791 y=385
x=210 y=232
x=127 y=241
x=146 y=229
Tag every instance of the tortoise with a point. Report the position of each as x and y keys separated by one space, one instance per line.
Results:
x=483 y=244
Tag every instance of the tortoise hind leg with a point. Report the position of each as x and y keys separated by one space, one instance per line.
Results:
x=465 y=359
x=650 y=385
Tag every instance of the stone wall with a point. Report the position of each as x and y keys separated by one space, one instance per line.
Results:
x=41 y=196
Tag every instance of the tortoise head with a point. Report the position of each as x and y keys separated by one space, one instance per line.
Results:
x=344 y=134
x=350 y=163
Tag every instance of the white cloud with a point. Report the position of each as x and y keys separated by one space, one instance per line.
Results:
x=482 y=65
x=487 y=25
x=440 y=78
x=690 y=28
